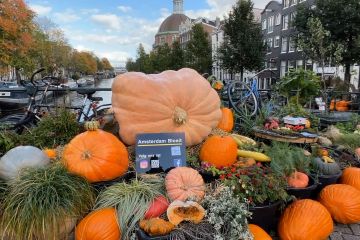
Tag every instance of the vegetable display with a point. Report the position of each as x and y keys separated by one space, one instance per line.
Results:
x=180 y=211
x=298 y=180
x=156 y=226
x=227 y=120
x=326 y=166
x=260 y=157
x=187 y=103
x=157 y=207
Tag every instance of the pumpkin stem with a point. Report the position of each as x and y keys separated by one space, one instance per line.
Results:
x=86 y=155
x=92 y=125
x=180 y=116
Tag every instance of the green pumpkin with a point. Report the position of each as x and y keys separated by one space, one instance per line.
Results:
x=325 y=167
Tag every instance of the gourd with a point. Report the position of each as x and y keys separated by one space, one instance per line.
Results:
x=157 y=207
x=19 y=158
x=180 y=211
x=156 y=227
x=172 y=101
x=351 y=176
x=307 y=124
x=219 y=151
x=227 y=120
x=258 y=232
x=326 y=166
x=323 y=152
x=342 y=201
x=242 y=140
x=217 y=85
x=183 y=183
x=260 y=157
x=96 y=155
x=298 y=180
x=100 y=224
x=51 y=153
x=305 y=219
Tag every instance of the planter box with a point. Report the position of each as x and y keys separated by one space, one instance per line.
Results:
x=266 y=216
x=303 y=193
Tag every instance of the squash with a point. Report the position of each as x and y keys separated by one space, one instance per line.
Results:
x=298 y=180
x=156 y=227
x=51 y=153
x=326 y=166
x=180 y=211
x=184 y=183
x=227 y=120
x=245 y=162
x=307 y=124
x=258 y=232
x=219 y=151
x=19 y=158
x=96 y=155
x=172 y=101
x=217 y=85
x=323 y=152
x=351 y=176
x=342 y=201
x=100 y=224
x=242 y=140
x=260 y=157
x=305 y=219
x=157 y=207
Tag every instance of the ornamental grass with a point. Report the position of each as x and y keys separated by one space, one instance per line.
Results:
x=44 y=204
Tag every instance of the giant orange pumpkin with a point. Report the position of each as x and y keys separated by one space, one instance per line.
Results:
x=96 y=155
x=101 y=224
x=342 y=201
x=184 y=183
x=259 y=233
x=172 y=101
x=219 y=151
x=305 y=219
x=227 y=120
x=351 y=176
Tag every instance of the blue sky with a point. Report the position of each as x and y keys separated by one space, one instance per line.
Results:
x=115 y=28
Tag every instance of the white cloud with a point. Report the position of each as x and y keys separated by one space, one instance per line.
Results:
x=81 y=48
x=40 y=9
x=105 y=39
x=67 y=16
x=124 y=9
x=87 y=11
x=117 y=58
x=111 y=21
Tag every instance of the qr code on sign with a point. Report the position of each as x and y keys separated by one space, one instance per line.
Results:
x=175 y=151
x=155 y=164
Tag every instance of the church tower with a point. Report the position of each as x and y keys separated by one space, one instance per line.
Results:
x=178 y=6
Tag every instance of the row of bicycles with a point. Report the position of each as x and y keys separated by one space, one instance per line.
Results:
x=89 y=108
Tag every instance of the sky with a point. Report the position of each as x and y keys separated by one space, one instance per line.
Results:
x=115 y=28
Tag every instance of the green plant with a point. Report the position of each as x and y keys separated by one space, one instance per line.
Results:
x=350 y=141
x=349 y=126
x=41 y=202
x=228 y=214
x=8 y=140
x=131 y=201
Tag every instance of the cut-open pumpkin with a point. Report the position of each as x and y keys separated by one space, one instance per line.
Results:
x=179 y=211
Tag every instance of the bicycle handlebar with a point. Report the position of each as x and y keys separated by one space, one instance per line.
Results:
x=33 y=75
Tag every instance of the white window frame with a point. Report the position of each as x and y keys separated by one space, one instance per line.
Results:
x=282 y=44
x=269 y=42
x=293 y=67
x=298 y=65
x=286 y=3
x=270 y=24
x=278 y=19
x=277 y=39
x=292 y=46
x=285 y=22
x=264 y=22
x=292 y=3
x=283 y=68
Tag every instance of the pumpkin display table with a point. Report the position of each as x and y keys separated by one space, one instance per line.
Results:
x=274 y=136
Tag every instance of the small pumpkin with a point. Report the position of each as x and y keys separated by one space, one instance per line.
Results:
x=51 y=153
x=307 y=124
x=258 y=232
x=245 y=162
x=323 y=152
x=156 y=227
x=227 y=120
x=305 y=219
x=96 y=155
x=351 y=176
x=19 y=158
x=157 y=207
x=184 y=183
x=219 y=151
x=100 y=224
x=326 y=166
x=342 y=201
x=186 y=103
x=180 y=211
x=298 y=180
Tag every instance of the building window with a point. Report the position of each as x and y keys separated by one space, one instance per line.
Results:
x=285 y=22
x=283 y=69
x=292 y=19
x=278 y=19
x=269 y=44
x=272 y=64
x=271 y=24
x=264 y=24
x=309 y=65
x=284 y=44
x=291 y=45
x=162 y=40
x=299 y=64
x=293 y=2
x=291 y=65
x=174 y=38
x=286 y=3
x=277 y=42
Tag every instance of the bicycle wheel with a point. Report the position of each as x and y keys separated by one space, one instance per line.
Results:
x=242 y=99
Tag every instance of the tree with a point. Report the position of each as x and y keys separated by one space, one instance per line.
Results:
x=106 y=64
x=160 y=58
x=143 y=60
x=176 y=56
x=341 y=18
x=198 y=50
x=130 y=65
x=84 y=62
x=243 y=47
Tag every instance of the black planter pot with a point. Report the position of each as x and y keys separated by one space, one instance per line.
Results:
x=303 y=193
x=266 y=216
x=141 y=235
x=208 y=176
x=325 y=180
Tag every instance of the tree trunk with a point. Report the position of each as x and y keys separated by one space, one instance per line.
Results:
x=18 y=77
x=347 y=73
x=241 y=74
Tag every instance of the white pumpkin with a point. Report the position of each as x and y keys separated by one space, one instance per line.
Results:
x=21 y=157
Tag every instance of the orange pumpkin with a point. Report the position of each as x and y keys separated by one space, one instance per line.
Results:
x=342 y=201
x=217 y=85
x=96 y=155
x=351 y=176
x=227 y=121
x=219 y=151
x=307 y=124
x=258 y=232
x=180 y=211
x=51 y=153
x=323 y=152
x=184 y=183
x=305 y=219
x=172 y=101
x=298 y=180
x=101 y=224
